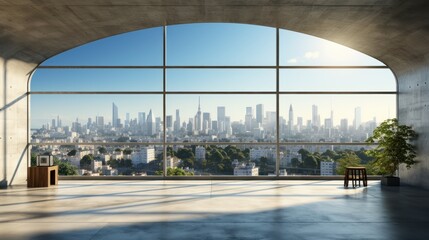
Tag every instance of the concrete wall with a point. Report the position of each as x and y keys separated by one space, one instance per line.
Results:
x=13 y=121
x=414 y=110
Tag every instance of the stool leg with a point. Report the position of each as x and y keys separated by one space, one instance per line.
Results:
x=346 y=178
x=359 y=176
x=365 y=180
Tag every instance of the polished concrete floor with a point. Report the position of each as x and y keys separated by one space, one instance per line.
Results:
x=213 y=210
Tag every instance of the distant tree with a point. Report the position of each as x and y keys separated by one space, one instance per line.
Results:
x=102 y=150
x=348 y=159
x=127 y=151
x=295 y=162
x=118 y=150
x=85 y=162
x=185 y=153
x=113 y=163
x=178 y=172
x=310 y=162
x=72 y=153
x=65 y=168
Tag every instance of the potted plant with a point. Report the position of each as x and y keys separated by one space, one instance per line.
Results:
x=394 y=148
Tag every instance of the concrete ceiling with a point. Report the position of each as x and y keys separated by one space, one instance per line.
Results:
x=393 y=31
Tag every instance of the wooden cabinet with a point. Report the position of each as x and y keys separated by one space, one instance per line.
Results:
x=42 y=176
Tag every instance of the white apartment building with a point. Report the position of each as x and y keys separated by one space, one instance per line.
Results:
x=145 y=155
x=327 y=168
x=257 y=153
x=248 y=169
x=96 y=165
x=200 y=153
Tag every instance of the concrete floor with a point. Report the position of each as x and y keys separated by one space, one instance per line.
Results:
x=213 y=210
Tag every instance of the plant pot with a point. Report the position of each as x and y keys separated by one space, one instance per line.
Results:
x=390 y=181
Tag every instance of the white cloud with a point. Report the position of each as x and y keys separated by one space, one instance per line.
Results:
x=311 y=55
x=292 y=60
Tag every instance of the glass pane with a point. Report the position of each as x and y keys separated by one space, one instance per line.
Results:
x=234 y=160
x=97 y=80
x=106 y=160
x=220 y=44
x=337 y=80
x=138 y=48
x=333 y=118
x=221 y=80
x=305 y=50
x=83 y=118
x=221 y=118
x=325 y=160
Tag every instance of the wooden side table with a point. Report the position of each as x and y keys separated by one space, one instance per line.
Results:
x=42 y=176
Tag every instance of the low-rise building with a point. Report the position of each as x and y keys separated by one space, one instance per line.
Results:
x=248 y=169
x=327 y=168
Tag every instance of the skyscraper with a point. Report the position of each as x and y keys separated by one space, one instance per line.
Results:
x=141 y=118
x=315 y=118
x=207 y=122
x=198 y=120
x=357 y=120
x=169 y=121
x=150 y=124
x=290 y=122
x=344 y=125
x=99 y=121
x=221 y=118
x=248 y=119
x=127 y=119
x=114 y=115
x=177 y=122
x=259 y=114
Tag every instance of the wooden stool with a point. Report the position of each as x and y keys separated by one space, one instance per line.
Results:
x=355 y=174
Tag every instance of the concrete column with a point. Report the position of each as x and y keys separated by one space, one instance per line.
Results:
x=414 y=110
x=14 y=75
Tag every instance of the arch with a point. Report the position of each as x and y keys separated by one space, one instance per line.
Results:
x=264 y=79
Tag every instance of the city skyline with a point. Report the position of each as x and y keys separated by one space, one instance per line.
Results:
x=315 y=118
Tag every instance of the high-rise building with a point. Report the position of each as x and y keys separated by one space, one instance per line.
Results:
x=177 y=122
x=248 y=119
x=221 y=118
x=290 y=122
x=228 y=127
x=53 y=123
x=198 y=120
x=127 y=119
x=259 y=114
x=114 y=116
x=357 y=121
x=169 y=123
x=150 y=124
x=99 y=121
x=207 y=122
x=299 y=123
x=58 y=121
x=344 y=125
x=315 y=118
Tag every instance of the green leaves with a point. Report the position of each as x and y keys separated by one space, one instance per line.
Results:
x=394 y=147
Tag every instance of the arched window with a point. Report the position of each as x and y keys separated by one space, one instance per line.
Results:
x=208 y=99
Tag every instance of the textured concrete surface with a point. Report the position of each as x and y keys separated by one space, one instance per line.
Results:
x=213 y=210
x=394 y=31
x=13 y=121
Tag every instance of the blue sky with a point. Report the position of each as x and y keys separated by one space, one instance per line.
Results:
x=202 y=45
